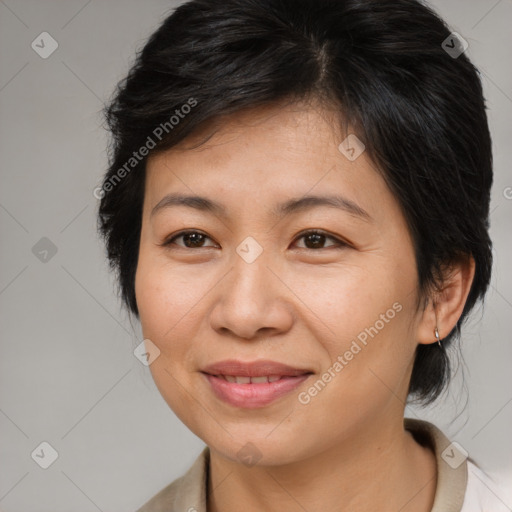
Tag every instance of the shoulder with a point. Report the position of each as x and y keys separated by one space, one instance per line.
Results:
x=462 y=486
x=483 y=494
x=185 y=494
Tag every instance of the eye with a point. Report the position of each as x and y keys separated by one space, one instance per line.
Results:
x=191 y=239
x=315 y=239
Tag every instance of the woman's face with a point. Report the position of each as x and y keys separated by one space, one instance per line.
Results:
x=250 y=285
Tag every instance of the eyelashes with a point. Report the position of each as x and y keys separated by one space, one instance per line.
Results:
x=318 y=235
x=186 y=234
x=196 y=238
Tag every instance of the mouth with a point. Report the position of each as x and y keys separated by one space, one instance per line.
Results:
x=254 y=384
x=239 y=379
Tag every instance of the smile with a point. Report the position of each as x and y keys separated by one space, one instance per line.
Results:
x=239 y=379
x=252 y=392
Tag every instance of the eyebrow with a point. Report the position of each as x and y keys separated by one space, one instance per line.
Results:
x=281 y=210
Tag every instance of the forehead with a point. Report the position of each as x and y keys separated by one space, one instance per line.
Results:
x=293 y=133
x=263 y=154
x=278 y=117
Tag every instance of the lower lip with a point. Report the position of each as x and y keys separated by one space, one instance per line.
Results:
x=252 y=396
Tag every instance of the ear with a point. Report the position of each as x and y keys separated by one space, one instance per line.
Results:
x=446 y=305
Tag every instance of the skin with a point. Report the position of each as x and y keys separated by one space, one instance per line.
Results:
x=295 y=304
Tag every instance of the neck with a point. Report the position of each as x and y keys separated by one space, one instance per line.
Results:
x=382 y=464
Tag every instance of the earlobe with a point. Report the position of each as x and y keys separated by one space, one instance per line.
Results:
x=445 y=308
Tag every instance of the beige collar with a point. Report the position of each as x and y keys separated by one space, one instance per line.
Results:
x=188 y=493
x=451 y=482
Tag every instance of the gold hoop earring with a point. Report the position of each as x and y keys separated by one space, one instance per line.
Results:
x=436 y=332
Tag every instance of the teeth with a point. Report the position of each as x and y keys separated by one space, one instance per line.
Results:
x=257 y=380
x=253 y=380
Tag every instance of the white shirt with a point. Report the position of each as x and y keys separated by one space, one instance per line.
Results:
x=483 y=494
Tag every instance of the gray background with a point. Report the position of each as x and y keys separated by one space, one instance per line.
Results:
x=68 y=373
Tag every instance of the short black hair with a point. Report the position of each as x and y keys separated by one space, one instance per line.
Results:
x=384 y=65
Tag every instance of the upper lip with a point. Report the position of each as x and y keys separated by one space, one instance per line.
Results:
x=258 y=368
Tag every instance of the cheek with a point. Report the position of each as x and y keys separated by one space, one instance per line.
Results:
x=166 y=295
x=166 y=298
x=341 y=302
x=152 y=301
x=361 y=315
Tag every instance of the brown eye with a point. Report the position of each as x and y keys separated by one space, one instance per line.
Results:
x=191 y=239
x=315 y=239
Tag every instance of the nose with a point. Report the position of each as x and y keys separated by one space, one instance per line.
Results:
x=252 y=302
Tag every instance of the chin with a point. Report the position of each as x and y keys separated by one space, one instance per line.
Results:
x=258 y=449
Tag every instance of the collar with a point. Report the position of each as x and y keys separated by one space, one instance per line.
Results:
x=188 y=493
x=451 y=481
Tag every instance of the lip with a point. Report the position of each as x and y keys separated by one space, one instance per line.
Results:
x=257 y=368
x=253 y=395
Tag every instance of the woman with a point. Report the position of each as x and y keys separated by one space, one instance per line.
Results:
x=297 y=209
